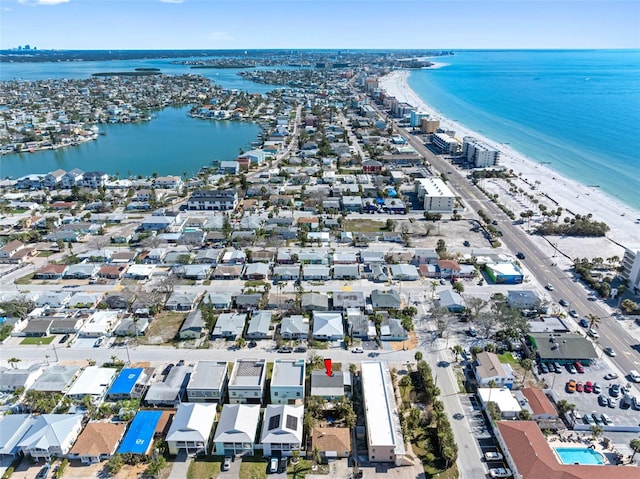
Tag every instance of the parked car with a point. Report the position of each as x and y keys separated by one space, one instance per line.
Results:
x=588 y=387
x=357 y=350
x=603 y=401
x=273 y=465
x=226 y=465
x=492 y=456
x=64 y=338
x=543 y=368
x=466 y=243
x=597 y=419
x=580 y=387
x=593 y=333
x=300 y=349
x=573 y=313
x=588 y=419
x=500 y=472
x=285 y=349
x=609 y=376
x=557 y=368
x=611 y=403
x=42 y=473
x=584 y=323
x=549 y=287
x=597 y=388
x=571 y=386
x=579 y=367
x=571 y=368
x=614 y=390
x=98 y=342
x=606 y=419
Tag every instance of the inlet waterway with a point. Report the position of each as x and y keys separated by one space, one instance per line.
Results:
x=172 y=143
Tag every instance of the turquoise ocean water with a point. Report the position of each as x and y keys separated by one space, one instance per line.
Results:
x=578 y=111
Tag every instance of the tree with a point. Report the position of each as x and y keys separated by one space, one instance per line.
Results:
x=13 y=361
x=115 y=464
x=527 y=365
x=564 y=406
x=458 y=287
x=594 y=321
x=596 y=431
x=441 y=249
x=475 y=305
x=457 y=351
x=155 y=466
x=634 y=444
x=418 y=356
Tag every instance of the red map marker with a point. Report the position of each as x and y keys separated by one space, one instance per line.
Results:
x=327 y=366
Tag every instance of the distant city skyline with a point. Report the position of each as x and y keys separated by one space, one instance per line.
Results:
x=321 y=24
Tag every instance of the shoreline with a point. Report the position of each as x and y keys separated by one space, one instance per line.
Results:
x=566 y=192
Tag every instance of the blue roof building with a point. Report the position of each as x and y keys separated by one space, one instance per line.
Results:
x=139 y=436
x=130 y=383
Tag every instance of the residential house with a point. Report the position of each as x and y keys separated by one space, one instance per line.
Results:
x=294 y=327
x=228 y=271
x=140 y=272
x=94 y=179
x=391 y=329
x=359 y=325
x=452 y=301
x=169 y=392
x=208 y=382
x=404 y=272
x=381 y=299
x=507 y=405
x=81 y=271
x=426 y=256
x=327 y=326
x=248 y=302
x=13 y=428
x=331 y=387
x=229 y=326
x=449 y=269
x=51 y=435
x=247 y=381
x=130 y=383
x=56 y=379
x=489 y=369
x=139 y=437
x=182 y=301
x=72 y=178
x=97 y=442
x=287 y=381
x=207 y=256
x=315 y=302
x=12 y=379
x=220 y=300
x=236 y=430
x=10 y=249
x=191 y=428
x=286 y=272
x=100 y=323
x=331 y=442
x=541 y=408
x=282 y=429
x=134 y=325
x=346 y=272
x=94 y=382
x=523 y=299
x=198 y=272
x=53 y=299
x=193 y=326
x=84 y=300
x=256 y=271
x=51 y=271
x=260 y=325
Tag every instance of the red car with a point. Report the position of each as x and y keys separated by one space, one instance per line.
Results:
x=579 y=367
x=579 y=387
x=588 y=387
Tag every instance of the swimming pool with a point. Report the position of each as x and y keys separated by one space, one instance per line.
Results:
x=579 y=455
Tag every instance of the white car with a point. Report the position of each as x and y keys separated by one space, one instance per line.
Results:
x=549 y=287
x=492 y=456
x=500 y=472
x=593 y=333
x=357 y=350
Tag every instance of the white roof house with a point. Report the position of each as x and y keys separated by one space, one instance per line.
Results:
x=191 y=428
x=287 y=381
x=208 y=382
x=508 y=405
x=246 y=384
x=294 y=327
x=327 y=326
x=385 y=442
x=281 y=429
x=51 y=435
x=12 y=429
x=94 y=381
x=236 y=429
x=100 y=324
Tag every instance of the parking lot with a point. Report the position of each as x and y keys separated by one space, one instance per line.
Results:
x=587 y=402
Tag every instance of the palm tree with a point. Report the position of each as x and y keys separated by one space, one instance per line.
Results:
x=434 y=285
x=596 y=431
x=457 y=350
x=13 y=361
x=527 y=365
x=594 y=321
x=634 y=444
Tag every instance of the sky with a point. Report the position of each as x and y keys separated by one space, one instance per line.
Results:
x=335 y=24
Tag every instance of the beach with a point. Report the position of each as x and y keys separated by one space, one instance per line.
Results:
x=571 y=195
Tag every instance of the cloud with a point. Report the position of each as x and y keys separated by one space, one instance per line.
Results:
x=42 y=2
x=220 y=36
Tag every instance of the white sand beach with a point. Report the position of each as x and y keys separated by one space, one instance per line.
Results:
x=569 y=194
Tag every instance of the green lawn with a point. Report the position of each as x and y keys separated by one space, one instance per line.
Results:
x=25 y=279
x=205 y=467
x=36 y=341
x=364 y=225
x=253 y=467
x=507 y=358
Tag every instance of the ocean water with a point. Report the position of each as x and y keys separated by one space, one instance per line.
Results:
x=578 y=111
x=172 y=143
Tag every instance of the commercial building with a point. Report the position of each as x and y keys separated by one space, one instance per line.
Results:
x=213 y=200
x=445 y=143
x=435 y=195
x=385 y=442
x=429 y=125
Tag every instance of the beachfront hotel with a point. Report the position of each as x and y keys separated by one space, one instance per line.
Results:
x=435 y=195
x=631 y=267
x=478 y=153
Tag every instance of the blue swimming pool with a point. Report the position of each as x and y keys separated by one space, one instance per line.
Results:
x=579 y=455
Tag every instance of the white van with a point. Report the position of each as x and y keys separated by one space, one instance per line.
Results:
x=634 y=376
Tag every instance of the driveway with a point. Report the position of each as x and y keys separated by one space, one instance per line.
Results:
x=180 y=466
